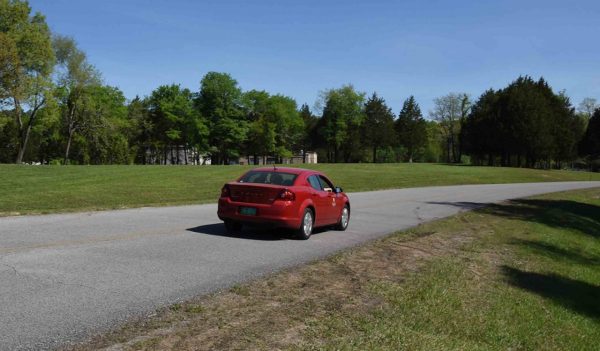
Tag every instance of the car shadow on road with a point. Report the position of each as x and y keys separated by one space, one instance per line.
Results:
x=251 y=233
x=248 y=233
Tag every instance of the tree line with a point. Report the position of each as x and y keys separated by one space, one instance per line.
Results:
x=56 y=108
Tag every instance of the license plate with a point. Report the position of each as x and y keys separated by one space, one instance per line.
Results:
x=248 y=211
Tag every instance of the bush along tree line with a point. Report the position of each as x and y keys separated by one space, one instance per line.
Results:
x=56 y=108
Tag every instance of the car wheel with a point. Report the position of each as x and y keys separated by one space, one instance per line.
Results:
x=232 y=227
x=306 y=225
x=344 y=219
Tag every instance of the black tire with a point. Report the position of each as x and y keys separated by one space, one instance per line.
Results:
x=344 y=219
x=306 y=225
x=232 y=227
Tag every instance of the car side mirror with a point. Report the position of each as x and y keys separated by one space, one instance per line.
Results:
x=338 y=190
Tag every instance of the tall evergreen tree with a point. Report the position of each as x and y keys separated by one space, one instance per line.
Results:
x=590 y=145
x=378 y=127
x=309 y=134
x=411 y=128
x=525 y=123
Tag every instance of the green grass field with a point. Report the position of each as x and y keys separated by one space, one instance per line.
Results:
x=49 y=189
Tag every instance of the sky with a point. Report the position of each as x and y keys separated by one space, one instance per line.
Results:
x=300 y=48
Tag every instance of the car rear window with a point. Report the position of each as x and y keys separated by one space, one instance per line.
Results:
x=264 y=177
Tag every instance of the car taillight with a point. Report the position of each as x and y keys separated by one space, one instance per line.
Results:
x=287 y=195
x=225 y=191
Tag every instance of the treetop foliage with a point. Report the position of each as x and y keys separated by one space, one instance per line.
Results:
x=525 y=123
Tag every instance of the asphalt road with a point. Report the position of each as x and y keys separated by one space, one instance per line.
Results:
x=66 y=277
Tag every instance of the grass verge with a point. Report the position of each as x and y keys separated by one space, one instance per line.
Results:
x=51 y=189
x=520 y=275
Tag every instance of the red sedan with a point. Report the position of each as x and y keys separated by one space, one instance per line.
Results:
x=295 y=198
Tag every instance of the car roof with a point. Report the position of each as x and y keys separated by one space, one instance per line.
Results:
x=291 y=170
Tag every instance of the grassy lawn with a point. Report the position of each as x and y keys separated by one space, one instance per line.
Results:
x=48 y=189
x=522 y=275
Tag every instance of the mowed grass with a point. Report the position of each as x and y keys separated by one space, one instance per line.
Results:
x=522 y=275
x=48 y=189
x=526 y=277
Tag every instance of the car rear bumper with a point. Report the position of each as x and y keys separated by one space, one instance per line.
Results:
x=279 y=213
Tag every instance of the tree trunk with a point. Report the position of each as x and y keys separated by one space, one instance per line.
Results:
x=66 y=161
x=455 y=151
x=335 y=154
x=24 y=134
x=374 y=154
x=23 y=145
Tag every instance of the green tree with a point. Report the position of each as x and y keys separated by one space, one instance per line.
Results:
x=289 y=126
x=568 y=128
x=275 y=124
x=220 y=102
x=590 y=144
x=103 y=140
x=483 y=134
x=587 y=106
x=525 y=123
x=411 y=128
x=9 y=68
x=450 y=111
x=26 y=84
x=261 y=140
x=378 y=126
x=309 y=134
x=176 y=122
x=75 y=78
x=139 y=132
x=339 y=126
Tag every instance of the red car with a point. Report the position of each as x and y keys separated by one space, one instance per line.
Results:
x=295 y=198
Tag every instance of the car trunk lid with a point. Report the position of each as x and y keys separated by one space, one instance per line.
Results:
x=254 y=193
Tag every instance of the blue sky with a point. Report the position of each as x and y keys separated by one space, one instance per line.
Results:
x=298 y=48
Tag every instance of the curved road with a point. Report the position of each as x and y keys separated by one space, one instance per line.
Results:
x=65 y=277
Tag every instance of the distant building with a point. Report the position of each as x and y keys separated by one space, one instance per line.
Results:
x=308 y=157
x=180 y=155
x=176 y=155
